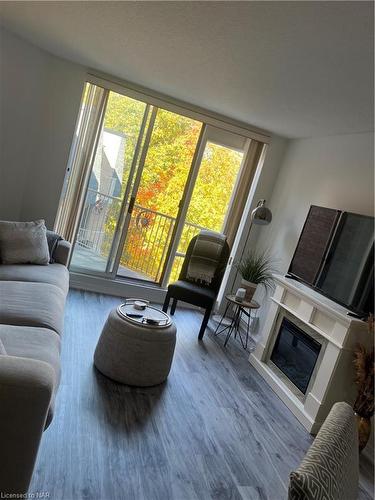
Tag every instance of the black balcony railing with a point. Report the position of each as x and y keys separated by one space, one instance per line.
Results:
x=148 y=237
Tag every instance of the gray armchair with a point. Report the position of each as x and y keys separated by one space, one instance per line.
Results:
x=330 y=468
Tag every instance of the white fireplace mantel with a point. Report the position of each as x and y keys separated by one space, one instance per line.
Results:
x=338 y=333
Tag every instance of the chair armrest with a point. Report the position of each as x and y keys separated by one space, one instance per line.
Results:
x=26 y=388
x=330 y=468
x=61 y=253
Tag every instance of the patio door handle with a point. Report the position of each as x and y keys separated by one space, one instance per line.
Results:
x=180 y=207
x=131 y=205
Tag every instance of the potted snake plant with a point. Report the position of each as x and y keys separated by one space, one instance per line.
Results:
x=255 y=269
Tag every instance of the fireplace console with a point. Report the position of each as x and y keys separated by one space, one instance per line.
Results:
x=306 y=351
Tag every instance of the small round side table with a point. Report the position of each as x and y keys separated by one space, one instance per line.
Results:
x=240 y=308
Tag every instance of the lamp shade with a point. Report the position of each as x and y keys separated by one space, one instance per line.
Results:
x=261 y=214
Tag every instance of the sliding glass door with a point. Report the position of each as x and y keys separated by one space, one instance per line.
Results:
x=208 y=201
x=141 y=164
x=156 y=179
x=112 y=170
x=157 y=194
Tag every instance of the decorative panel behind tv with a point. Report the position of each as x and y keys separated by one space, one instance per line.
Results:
x=313 y=243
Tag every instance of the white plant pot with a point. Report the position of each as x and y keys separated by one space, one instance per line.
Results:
x=250 y=289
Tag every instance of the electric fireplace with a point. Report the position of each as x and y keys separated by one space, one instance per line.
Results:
x=305 y=351
x=295 y=353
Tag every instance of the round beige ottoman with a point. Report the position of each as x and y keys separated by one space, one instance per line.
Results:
x=134 y=352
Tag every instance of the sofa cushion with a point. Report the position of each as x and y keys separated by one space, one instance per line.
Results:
x=34 y=343
x=330 y=468
x=54 y=274
x=24 y=243
x=32 y=304
x=2 y=349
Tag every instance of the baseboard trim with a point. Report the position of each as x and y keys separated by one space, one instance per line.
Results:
x=121 y=288
x=118 y=288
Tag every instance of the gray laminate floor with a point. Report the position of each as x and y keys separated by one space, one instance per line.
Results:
x=214 y=430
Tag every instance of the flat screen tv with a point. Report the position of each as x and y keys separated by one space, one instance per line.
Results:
x=335 y=256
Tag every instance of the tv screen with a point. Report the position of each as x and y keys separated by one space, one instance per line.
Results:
x=335 y=255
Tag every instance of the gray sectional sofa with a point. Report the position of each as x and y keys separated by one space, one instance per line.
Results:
x=32 y=299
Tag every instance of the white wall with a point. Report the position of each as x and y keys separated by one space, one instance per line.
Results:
x=39 y=100
x=336 y=172
x=21 y=71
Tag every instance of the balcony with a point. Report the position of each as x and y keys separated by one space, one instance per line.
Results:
x=146 y=244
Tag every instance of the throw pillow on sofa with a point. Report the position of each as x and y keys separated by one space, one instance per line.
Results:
x=23 y=243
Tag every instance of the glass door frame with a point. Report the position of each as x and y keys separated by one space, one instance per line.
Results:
x=180 y=213
x=91 y=152
x=211 y=134
x=123 y=224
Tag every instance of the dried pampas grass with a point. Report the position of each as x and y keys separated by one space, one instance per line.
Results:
x=364 y=377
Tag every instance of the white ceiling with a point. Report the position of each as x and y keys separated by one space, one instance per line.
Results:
x=298 y=69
